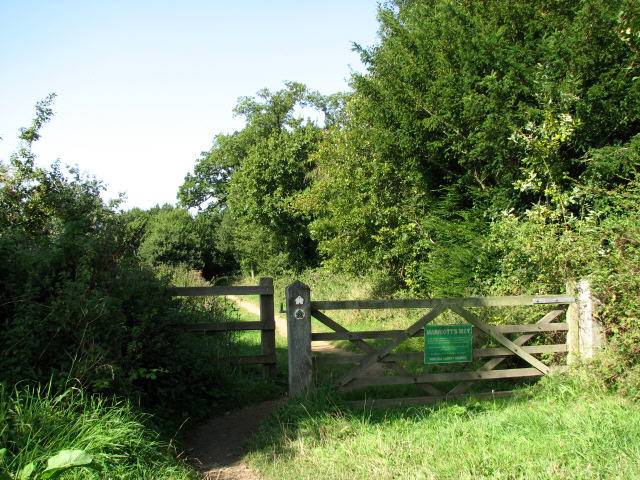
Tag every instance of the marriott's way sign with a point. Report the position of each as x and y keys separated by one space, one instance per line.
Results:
x=447 y=343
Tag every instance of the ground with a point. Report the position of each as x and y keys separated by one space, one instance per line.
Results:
x=217 y=447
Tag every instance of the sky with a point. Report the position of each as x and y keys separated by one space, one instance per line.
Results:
x=143 y=86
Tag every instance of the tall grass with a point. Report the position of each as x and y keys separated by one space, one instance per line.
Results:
x=35 y=424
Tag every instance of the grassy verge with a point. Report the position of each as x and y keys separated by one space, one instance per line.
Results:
x=35 y=425
x=564 y=428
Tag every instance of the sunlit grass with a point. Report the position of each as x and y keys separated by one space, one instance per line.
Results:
x=564 y=429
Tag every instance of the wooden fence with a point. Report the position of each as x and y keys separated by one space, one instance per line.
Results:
x=266 y=325
x=300 y=309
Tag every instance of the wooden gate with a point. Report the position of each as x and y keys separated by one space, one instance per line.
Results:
x=266 y=325
x=300 y=309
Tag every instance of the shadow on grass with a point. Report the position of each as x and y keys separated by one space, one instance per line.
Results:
x=323 y=414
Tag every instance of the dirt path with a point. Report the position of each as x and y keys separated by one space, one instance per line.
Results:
x=217 y=447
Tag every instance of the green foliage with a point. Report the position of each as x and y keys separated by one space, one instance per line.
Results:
x=260 y=196
x=76 y=303
x=254 y=175
x=468 y=109
x=545 y=247
x=171 y=238
x=45 y=435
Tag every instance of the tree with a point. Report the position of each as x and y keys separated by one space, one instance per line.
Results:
x=253 y=176
x=467 y=109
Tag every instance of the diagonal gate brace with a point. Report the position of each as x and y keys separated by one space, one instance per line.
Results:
x=494 y=362
x=500 y=338
x=366 y=348
x=378 y=355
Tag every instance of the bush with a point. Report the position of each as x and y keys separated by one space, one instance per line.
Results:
x=76 y=303
x=539 y=251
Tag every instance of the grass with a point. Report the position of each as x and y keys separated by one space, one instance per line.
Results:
x=35 y=424
x=564 y=428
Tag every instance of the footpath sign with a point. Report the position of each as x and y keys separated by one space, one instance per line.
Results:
x=447 y=343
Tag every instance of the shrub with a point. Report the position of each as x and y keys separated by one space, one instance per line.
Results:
x=76 y=303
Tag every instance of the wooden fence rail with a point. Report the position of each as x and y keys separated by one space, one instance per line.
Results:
x=266 y=325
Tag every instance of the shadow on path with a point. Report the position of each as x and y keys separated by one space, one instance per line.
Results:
x=216 y=448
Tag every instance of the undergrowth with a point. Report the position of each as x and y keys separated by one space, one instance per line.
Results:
x=35 y=424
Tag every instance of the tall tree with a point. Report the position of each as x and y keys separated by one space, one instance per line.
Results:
x=253 y=176
x=468 y=108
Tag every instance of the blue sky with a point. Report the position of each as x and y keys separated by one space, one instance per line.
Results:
x=144 y=86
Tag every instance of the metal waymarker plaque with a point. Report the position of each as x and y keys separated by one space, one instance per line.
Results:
x=447 y=343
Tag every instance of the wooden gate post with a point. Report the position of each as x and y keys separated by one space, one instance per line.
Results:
x=586 y=334
x=268 y=331
x=298 y=298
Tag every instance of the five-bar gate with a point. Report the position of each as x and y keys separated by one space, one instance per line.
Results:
x=509 y=341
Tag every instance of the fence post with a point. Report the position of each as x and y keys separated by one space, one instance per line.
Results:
x=268 y=331
x=586 y=334
x=298 y=298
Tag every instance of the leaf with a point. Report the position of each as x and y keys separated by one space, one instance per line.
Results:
x=3 y=453
x=5 y=476
x=27 y=471
x=66 y=459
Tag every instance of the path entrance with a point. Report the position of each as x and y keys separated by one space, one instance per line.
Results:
x=217 y=448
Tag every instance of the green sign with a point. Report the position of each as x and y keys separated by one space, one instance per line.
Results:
x=447 y=343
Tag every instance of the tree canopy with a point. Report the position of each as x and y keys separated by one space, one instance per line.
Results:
x=253 y=176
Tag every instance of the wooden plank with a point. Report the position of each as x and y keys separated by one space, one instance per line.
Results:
x=532 y=327
x=365 y=347
x=220 y=291
x=337 y=328
x=500 y=338
x=354 y=336
x=403 y=402
x=443 y=377
x=221 y=326
x=491 y=364
x=372 y=334
x=443 y=302
x=384 y=351
x=505 y=352
x=419 y=356
x=250 y=359
x=268 y=333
